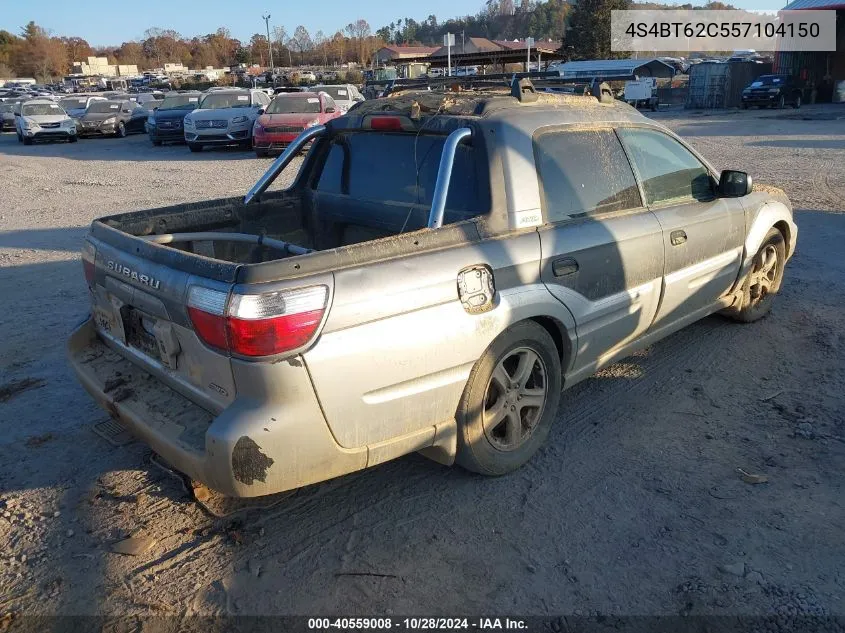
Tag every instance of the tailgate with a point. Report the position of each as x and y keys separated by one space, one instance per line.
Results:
x=138 y=307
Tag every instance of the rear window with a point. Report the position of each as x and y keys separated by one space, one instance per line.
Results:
x=403 y=168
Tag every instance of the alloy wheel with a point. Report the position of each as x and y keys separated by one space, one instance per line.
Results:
x=515 y=397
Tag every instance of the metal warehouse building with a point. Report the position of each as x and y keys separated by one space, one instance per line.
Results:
x=820 y=72
x=615 y=69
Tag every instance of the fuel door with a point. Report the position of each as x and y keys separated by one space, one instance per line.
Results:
x=476 y=289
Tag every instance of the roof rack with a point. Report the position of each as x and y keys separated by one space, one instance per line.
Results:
x=522 y=86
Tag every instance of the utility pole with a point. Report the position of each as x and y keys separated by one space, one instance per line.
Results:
x=269 y=44
x=530 y=42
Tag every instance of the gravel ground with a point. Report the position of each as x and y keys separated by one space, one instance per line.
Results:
x=633 y=507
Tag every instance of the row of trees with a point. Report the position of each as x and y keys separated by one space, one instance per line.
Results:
x=583 y=26
x=35 y=52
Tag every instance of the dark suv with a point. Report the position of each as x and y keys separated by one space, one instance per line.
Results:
x=165 y=124
x=772 y=90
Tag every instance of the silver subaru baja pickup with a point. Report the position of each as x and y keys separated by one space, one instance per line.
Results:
x=441 y=268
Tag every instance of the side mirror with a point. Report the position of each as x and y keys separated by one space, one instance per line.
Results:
x=734 y=184
x=155 y=108
x=260 y=111
x=329 y=110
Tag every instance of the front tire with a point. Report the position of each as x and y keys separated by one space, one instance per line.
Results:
x=781 y=102
x=797 y=103
x=261 y=153
x=121 y=130
x=195 y=147
x=157 y=143
x=72 y=139
x=510 y=401
x=763 y=282
x=27 y=140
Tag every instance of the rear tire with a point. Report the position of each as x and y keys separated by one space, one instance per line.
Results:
x=194 y=147
x=763 y=281
x=510 y=401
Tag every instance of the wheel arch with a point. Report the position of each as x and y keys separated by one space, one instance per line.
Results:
x=560 y=336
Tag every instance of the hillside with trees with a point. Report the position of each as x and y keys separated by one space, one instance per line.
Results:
x=583 y=27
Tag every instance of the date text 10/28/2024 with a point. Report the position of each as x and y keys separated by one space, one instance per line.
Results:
x=418 y=624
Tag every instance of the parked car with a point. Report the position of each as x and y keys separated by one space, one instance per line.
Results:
x=772 y=91
x=371 y=309
x=76 y=105
x=165 y=123
x=287 y=116
x=7 y=117
x=224 y=117
x=345 y=95
x=112 y=118
x=43 y=120
x=307 y=75
x=143 y=97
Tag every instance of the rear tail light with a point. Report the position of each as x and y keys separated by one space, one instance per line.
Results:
x=257 y=325
x=89 y=256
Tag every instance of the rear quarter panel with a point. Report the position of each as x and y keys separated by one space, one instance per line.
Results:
x=398 y=347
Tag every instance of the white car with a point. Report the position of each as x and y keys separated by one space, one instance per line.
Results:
x=76 y=105
x=344 y=95
x=41 y=120
x=224 y=117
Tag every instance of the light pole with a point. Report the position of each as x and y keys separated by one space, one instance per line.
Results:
x=269 y=45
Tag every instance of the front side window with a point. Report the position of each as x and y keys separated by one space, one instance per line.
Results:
x=583 y=172
x=669 y=172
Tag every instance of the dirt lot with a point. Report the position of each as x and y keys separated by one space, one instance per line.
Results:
x=635 y=506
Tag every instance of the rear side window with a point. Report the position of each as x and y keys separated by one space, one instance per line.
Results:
x=670 y=173
x=403 y=168
x=583 y=172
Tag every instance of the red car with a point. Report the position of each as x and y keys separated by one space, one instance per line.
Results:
x=286 y=117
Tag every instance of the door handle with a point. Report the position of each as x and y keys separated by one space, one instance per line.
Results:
x=564 y=266
x=677 y=237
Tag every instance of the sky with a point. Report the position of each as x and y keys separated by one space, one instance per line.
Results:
x=105 y=23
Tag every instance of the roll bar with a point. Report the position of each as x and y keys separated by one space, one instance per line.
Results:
x=298 y=144
x=444 y=176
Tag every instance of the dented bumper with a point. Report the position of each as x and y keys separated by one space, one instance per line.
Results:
x=273 y=437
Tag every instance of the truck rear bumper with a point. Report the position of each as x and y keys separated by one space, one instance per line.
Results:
x=256 y=446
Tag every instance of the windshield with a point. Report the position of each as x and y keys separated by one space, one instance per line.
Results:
x=6 y=107
x=101 y=107
x=768 y=80
x=218 y=101
x=341 y=93
x=73 y=102
x=180 y=102
x=36 y=109
x=287 y=104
